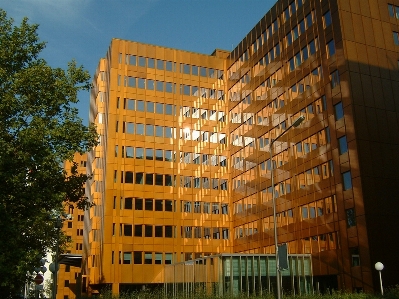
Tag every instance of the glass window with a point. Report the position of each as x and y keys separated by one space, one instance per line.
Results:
x=149 y=179
x=168 y=206
x=138 y=204
x=330 y=48
x=132 y=59
x=168 y=231
x=169 y=66
x=142 y=61
x=186 y=69
x=151 y=63
x=350 y=217
x=149 y=130
x=168 y=132
x=141 y=83
x=203 y=72
x=138 y=230
x=158 y=179
x=334 y=76
x=150 y=84
x=339 y=111
x=168 y=87
x=327 y=19
x=150 y=107
x=137 y=257
x=168 y=180
x=148 y=204
x=343 y=145
x=127 y=230
x=130 y=128
x=160 y=85
x=159 y=155
x=194 y=70
x=347 y=180
x=312 y=47
x=128 y=177
x=396 y=38
x=140 y=129
x=309 y=20
x=168 y=156
x=355 y=256
x=148 y=230
x=139 y=153
x=140 y=106
x=160 y=64
x=159 y=232
x=139 y=178
x=158 y=131
x=149 y=154
x=130 y=104
x=128 y=203
x=302 y=27
x=169 y=109
x=159 y=108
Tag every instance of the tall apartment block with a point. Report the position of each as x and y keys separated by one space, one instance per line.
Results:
x=183 y=166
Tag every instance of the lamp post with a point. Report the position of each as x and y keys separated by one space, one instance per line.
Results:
x=296 y=123
x=54 y=265
x=379 y=267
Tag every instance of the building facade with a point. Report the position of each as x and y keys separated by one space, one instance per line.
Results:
x=183 y=166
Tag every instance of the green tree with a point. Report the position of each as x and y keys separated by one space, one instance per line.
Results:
x=39 y=130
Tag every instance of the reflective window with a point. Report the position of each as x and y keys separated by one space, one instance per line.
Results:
x=139 y=178
x=347 y=180
x=160 y=64
x=151 y=63
x=150 y=107
x=140 y=129
x=330 y=48
x=169 y=109
x=149 y=179
x=140 y=106
x=339 y=111
x=159 y=108
x=149 y=154
x=142 y=61
x=327 y=19
x=158 y=131
x=350 y=217
x=129 y=152
x=139 y=153
x=395 y=38
x=149 y=130
x=159 y=155
x=343 y=145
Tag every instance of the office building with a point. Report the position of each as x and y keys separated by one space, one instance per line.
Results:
x=183 y=167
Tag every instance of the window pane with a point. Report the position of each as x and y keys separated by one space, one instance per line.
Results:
x=138 y=204
x=159 y=108
x=327 y=19
x=139 y=178
x=140 y=106
x=339 y=111
x=139 y=153
x=158 y=131
x=140 y=129
x=149 y=154
x=158 y=179
x=149 y=179
x=343 y=145
x=169 y=109
x=350 y=217
x=149 y=130
x=159 y=155
x=347 y=180
x=160 y=64
x=148 y=204
x=150 y=107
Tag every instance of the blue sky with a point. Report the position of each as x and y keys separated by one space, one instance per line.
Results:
x=83 y=29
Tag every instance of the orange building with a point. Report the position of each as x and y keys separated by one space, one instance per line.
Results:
x=183 y=167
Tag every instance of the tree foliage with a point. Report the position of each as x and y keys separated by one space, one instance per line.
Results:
x=39 y=130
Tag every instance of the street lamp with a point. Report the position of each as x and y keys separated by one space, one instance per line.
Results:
x=379 y=267
x=296 y=123
x=54 y=266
